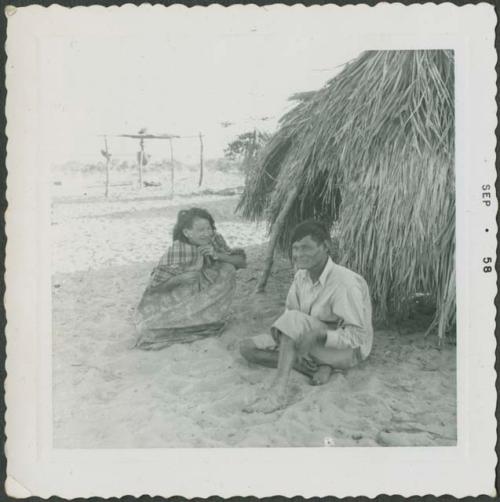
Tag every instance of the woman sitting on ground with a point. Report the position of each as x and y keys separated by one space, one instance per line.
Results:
x=190 y=290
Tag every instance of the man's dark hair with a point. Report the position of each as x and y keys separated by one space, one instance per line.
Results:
x=185 y=219
x=312 y=228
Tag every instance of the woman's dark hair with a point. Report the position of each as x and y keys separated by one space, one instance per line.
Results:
x=312 y=228
x=185 y=219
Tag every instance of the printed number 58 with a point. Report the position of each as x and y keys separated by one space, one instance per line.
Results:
x=487 y=268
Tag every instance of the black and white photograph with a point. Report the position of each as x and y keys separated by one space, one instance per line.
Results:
x=173 y=324
x=251 y=231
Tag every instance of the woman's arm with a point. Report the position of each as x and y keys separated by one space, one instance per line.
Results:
x=238 y=260
x=176 y=280
x=235 y=257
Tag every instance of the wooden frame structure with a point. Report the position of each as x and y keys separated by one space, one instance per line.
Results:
x=142 y=136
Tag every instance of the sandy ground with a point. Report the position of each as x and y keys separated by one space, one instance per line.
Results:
x=107 y=395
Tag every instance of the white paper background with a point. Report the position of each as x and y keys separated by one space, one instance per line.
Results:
x=35 y=468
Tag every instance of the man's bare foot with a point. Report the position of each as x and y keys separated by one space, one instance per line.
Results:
x=321 y=376
x=270 y=401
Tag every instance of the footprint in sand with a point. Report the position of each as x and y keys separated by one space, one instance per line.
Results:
x=213 y=385
x=262 y=399
x=389 y=438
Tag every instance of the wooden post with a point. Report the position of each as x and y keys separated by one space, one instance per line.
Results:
x=107 y=156
x=273 y=239
x=250 y=150
x=253 y=148
x=201 y=160
x=141 y=161
x=172 y=168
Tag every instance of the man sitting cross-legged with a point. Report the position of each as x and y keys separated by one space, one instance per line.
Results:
x=326 y=325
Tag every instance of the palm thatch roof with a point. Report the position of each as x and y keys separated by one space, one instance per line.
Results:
x=373 y=152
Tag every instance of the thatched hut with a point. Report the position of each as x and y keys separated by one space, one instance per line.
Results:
x=372 y=153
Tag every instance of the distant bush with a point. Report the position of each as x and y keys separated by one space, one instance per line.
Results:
x=246 y=147
x=223 y=165
x=117 y=165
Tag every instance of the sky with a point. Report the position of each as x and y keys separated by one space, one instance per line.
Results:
x=181 y=81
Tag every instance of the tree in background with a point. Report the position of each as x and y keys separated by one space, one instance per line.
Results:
x=246 y=147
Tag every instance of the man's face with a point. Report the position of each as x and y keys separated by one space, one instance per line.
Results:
x=307 y=253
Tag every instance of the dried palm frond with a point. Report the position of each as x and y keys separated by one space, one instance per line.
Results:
x=373 y=151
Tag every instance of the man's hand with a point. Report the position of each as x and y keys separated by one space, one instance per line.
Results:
x=309 y=339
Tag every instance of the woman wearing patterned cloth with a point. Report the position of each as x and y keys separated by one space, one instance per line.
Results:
x=190 y=290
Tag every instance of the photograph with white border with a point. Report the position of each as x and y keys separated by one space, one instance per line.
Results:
x=251 y=250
